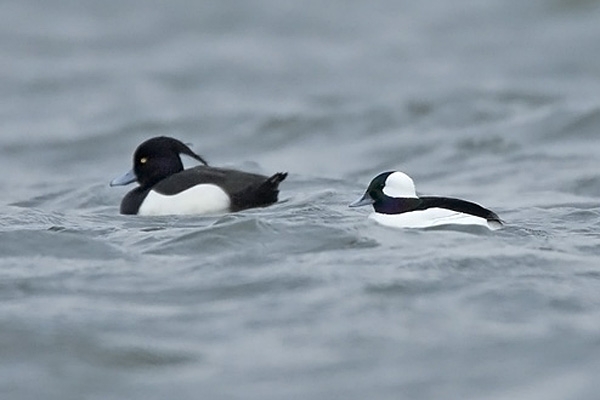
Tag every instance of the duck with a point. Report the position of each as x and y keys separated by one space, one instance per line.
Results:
x=396 y=204
x=166 y=188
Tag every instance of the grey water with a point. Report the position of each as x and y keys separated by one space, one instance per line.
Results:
x=494 y=101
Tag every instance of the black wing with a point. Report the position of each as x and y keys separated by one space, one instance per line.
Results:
x=230 y=180
x=457 y=205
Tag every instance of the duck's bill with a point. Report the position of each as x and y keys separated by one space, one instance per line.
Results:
x=125 y=179
x=366 y=200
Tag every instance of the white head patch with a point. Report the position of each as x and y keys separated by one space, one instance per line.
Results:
x=398 y=184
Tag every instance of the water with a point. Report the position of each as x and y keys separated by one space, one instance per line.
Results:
x=492 y=101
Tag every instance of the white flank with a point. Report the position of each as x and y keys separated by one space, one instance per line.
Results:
x=429 y=218
x=199 y=199
x=399 y=184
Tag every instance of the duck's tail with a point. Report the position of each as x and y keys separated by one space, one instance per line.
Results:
x=263 y=194
x=268 y=192
x=276 y=179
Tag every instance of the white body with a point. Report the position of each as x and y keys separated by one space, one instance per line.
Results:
x=429 y=218
x=199 y=199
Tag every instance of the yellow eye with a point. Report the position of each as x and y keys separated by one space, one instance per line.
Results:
x=143 y=160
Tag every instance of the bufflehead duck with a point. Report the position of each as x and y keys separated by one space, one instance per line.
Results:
x=165 y=188
x=396 y=204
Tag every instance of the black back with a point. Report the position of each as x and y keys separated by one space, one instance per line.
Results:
x=230 y=180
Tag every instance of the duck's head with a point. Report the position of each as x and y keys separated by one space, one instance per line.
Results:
x=155 y=160
x=391 y=184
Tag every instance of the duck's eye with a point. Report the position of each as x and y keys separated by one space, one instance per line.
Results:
x=143 y=160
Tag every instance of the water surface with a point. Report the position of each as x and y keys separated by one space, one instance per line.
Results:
x=496 y=102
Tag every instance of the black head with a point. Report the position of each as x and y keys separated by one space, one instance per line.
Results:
x=374 y=193
x=375 y=188
x=155 y=160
